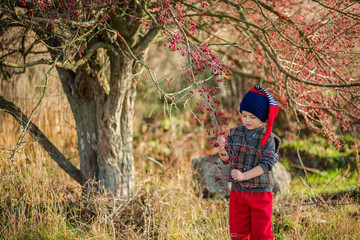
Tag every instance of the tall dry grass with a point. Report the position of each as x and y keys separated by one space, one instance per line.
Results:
x=39 y=201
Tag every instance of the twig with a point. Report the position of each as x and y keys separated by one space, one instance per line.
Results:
x=26 y=127
x=192 y=73
x=305 y=168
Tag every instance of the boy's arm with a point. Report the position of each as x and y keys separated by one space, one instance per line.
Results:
x=224 y=143
x=269 y=156
x=224 y=156
x=243 y=176
x=266 y=163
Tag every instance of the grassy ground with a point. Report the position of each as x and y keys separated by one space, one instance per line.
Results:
x=39 y=201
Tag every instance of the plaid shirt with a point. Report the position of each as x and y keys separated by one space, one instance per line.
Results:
x=247 y=155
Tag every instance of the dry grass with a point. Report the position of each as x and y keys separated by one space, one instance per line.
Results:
x=297 y=218
x=39 y=201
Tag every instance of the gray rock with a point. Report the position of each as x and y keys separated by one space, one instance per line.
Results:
x=282 y=179
x=210 y=174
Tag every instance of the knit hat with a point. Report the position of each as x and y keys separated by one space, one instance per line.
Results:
x=260 y=103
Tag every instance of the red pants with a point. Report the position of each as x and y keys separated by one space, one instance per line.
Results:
x=250 y=215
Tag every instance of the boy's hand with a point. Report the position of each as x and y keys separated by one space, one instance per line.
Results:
x=237 y=175
x=221 y=141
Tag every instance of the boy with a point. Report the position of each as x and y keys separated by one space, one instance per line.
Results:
x=252 y=150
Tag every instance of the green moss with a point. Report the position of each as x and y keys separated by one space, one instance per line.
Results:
x=320 y=150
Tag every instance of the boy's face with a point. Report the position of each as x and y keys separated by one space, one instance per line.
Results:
x=250 y=120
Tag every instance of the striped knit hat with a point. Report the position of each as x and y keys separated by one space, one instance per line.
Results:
x=260 y=103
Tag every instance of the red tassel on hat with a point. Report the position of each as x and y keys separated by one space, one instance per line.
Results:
x=273 y=111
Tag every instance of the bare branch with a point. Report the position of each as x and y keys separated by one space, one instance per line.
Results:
x=355 y=16
x=48 y=20
x=47 y=145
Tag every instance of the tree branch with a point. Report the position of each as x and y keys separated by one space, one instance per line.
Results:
x=145 y=41
x=274 y=58
x=354 y=16
x=48 y=20
x=48 y=146
x=91 y=51
x=34 y=63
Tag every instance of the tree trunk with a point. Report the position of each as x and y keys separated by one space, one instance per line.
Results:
x=104 y=125
x=115 y=132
